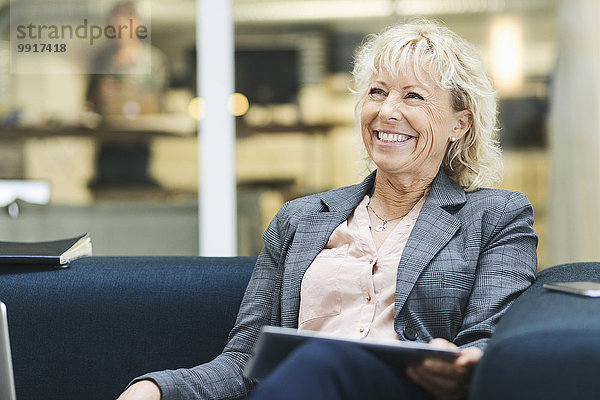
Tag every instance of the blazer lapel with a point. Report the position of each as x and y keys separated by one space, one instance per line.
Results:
x=433 y=230
x=311 y=236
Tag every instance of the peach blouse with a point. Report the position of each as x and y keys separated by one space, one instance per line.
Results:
x=350 y=287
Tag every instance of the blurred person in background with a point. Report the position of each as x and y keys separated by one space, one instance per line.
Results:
x=128 y=78
x=128 y=70
x=422 y=250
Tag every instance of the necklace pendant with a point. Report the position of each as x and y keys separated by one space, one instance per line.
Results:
x=381 y=227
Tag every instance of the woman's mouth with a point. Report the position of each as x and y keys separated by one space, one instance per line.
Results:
x=387 y=137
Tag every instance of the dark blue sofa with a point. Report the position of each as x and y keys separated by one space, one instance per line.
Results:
x=84 y=332
x=547 y=345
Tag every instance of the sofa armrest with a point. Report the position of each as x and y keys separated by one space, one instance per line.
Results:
x=86 y=331
x=547 y=345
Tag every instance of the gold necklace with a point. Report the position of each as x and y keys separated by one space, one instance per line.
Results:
x=382 y=226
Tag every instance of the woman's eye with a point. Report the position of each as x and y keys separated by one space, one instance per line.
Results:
x=377 y=92
x=413 y=95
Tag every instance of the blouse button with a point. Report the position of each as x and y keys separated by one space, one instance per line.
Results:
x=362 y=330
x=368 y=297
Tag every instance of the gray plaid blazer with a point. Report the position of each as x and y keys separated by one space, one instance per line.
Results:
x=468 y=257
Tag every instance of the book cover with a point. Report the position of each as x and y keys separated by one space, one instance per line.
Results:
x=57 y=252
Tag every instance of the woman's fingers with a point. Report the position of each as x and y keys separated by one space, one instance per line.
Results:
x=446 y=379
x=469 y=357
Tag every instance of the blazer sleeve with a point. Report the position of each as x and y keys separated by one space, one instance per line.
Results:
x=506 y=267
x=222 y=378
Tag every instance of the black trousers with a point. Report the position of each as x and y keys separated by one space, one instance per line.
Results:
x=335 y=371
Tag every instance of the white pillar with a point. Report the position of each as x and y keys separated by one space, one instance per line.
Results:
x=217 y=194
x=574 y=204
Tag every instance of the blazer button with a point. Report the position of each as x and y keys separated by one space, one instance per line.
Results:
x=410 y=333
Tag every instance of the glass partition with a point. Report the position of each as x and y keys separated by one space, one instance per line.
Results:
x=111 y=124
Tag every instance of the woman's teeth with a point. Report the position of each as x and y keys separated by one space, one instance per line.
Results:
x=392 y=137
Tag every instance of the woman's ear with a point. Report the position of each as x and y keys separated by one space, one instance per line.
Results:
x=463 y=123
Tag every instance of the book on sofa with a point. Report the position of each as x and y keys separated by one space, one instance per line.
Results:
x=56 y=252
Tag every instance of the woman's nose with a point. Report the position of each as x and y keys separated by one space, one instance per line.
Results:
x=391 y=109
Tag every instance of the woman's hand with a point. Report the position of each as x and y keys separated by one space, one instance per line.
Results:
x=446 y=379
x=142 y=390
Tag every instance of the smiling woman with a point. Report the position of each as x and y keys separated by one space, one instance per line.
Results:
x=419 y=251
x=407 y=124
x=432 y=57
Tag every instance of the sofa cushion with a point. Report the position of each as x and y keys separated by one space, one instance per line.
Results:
x=547 y=345
x=86 y=331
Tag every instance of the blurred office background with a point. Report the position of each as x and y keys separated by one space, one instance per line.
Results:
x=127 y=171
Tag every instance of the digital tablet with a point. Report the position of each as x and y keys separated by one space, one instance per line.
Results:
x=589 y=289
x=275 y=343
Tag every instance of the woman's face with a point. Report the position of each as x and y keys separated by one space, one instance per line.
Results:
x=407 y=124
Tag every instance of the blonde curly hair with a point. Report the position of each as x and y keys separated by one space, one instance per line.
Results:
x=474 y=161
